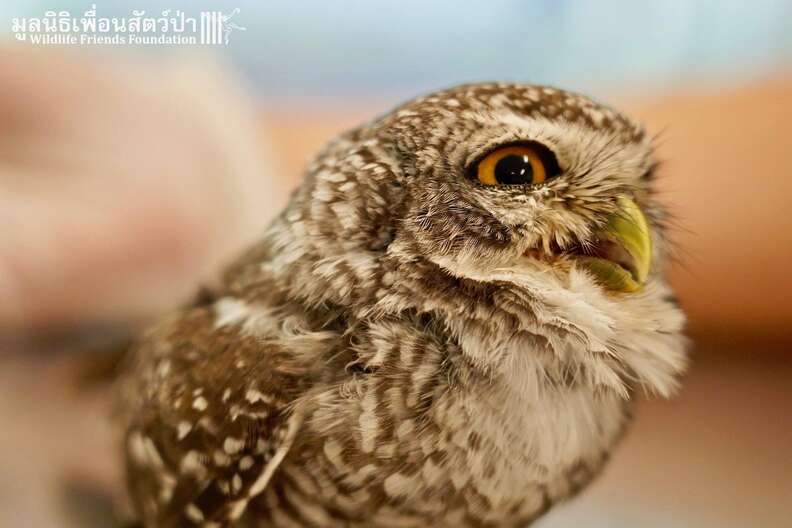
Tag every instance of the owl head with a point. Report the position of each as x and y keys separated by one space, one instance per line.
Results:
x=516 y=211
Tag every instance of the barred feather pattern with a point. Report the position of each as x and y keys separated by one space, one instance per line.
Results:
x=388 y=354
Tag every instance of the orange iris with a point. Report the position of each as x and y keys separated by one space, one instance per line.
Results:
x=512 y=165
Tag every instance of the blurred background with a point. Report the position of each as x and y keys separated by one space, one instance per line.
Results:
x=130 y=173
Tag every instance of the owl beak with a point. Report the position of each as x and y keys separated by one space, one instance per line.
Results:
x=622 y=255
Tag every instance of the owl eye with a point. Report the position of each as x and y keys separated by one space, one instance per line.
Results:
x=520 y=164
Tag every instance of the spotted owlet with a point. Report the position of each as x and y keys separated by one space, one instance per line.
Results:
x=444 y=327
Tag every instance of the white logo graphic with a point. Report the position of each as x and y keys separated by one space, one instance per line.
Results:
x=216 y=27
x=170 y=27
x=229 y=26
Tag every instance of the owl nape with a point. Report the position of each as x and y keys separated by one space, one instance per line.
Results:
x=445 y=327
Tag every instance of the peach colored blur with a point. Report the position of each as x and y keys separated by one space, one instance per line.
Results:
x=121 y=184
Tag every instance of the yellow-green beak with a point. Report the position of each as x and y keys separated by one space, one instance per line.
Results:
x=623 y=253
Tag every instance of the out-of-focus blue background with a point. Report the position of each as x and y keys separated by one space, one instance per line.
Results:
x=383 y=49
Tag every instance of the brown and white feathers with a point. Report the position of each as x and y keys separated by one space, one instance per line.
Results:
x=407 y=346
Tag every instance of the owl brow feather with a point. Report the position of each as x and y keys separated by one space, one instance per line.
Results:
x=599 y=162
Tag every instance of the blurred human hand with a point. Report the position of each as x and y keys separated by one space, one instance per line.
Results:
x=122 y=184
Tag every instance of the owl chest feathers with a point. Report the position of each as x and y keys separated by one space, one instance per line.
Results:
x=434 y=427
x=518 y=433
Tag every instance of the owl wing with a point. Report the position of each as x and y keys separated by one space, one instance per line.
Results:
x=210 y=415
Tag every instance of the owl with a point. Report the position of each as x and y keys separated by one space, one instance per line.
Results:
x=445 y=327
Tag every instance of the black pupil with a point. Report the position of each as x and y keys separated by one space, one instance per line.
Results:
x=514 y=169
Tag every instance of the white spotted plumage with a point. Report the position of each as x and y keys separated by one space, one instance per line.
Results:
x=394 y=352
